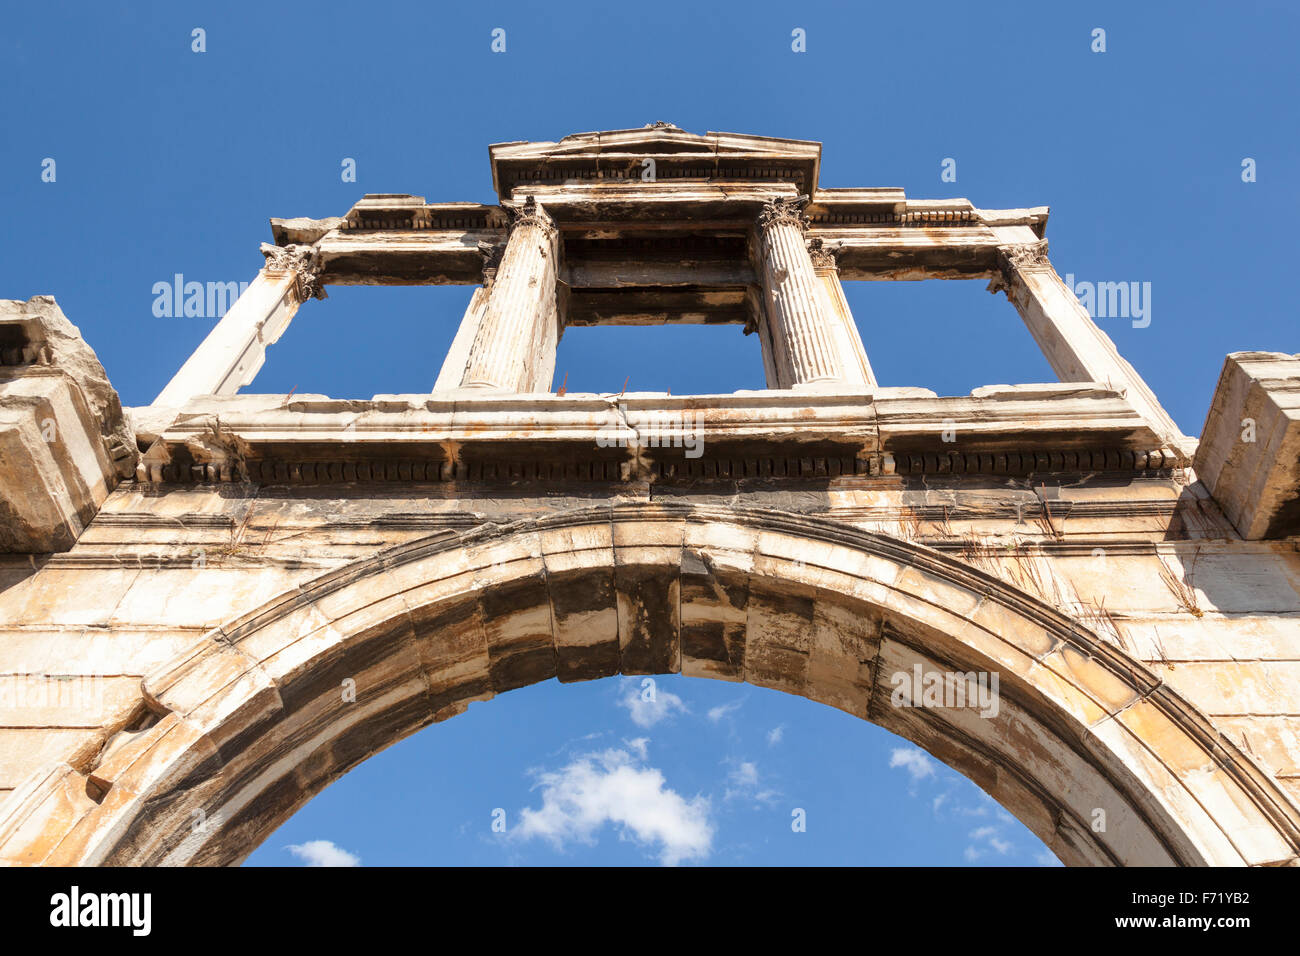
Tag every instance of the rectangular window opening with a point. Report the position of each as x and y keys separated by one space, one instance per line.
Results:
x=364 y=341
x=683 y=359
x=947 y=335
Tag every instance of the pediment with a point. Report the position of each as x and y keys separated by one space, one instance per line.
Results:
x=677 y=154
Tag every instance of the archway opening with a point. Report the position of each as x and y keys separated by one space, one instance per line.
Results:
x=671 y=770
x=252 y=722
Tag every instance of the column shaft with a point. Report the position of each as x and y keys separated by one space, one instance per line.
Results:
x=235 y=349
x=856 y=368
x=514 y=349
x=804 y=347
x=457 y=360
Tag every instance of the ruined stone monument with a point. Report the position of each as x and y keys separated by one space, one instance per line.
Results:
x=188 y=589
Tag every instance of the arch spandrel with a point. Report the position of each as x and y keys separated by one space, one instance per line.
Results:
x=250 y=724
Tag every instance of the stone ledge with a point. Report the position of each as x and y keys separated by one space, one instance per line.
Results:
x=470 y=436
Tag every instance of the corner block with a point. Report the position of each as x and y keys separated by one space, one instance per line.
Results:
x=1249 y=454
x=64 y=441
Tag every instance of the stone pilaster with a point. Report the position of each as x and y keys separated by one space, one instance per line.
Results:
x=514 y=348
x=1070 y=340
x=457 y=360
x=804 y=347
x=856 y=369
x=235 y=349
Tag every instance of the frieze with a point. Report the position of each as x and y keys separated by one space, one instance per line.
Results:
x=266 y=471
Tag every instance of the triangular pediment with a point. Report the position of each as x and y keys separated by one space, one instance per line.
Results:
x=676 y=154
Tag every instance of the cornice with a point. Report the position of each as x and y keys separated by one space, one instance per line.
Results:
x=313 y=439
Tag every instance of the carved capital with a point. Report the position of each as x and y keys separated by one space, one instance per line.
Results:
x=1014 y=260
x=787 y=212
x=999 y=284
x=1023 y=256
x=823 y=258
x=302 y=261
x=530 y=214
x=491 y=253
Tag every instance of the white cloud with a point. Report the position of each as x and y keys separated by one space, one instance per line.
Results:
x=745 y=774
x=914 y=761
x=775 y=734
x=722 y=710
x=609 y=787
x=638 y=745
x=649 y=704
x=323 y=853
x=993 y=838
x=742 y=783
x=938 y=802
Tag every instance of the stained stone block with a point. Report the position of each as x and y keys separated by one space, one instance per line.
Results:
x=648 y=601
x=713 y=619
x=586 y=626
x=521 y=644
x=64 y=442
x=1249 y=455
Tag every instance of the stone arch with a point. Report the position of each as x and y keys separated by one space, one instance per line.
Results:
x=246 y=728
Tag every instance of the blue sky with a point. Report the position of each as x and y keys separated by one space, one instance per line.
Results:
x=709 y=772
x=169 y=161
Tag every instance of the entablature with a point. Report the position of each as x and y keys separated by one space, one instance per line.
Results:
x=654 y=437
x=392 y=239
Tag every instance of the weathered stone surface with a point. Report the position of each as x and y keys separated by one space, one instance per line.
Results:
x=289 y=585
x=64 y=442
x=1249 y=454
x=799 y=323
x=234 y=351
x=782 y=601
x=514 y=347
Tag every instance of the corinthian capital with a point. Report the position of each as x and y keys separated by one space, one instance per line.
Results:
x=491 y=253
x=784 y=212
x=822 y=257
x=1023 y=255
x=302 y=261
x=530 y=214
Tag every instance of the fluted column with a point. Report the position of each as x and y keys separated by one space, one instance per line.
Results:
x=514 y=348
x=235 y=349
x=856 y=367
x=457 y=359
x=803 y=344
